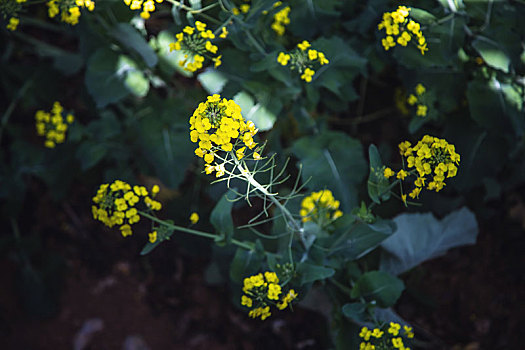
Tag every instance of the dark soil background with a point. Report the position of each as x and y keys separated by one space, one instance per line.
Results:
x=94 y=291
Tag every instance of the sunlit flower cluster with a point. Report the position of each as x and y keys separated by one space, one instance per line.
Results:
x=217 y=125
x=303 y=58
x=69 y=10
x=400 y=30
x=146 y=7
x=430 y=162
x=417 y=100
x=53 y=125
x=320 y=207
x=390 y=337
x=262 y=291
x=280 y=19
x=117 y=204
x=11 y=9
x=196 y=44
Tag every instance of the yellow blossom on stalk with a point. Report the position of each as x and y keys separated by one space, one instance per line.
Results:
x=69 y=10
x=388 y=173
x=281 y=19
x=379 y=339
x=13 y=23
x=261 y=291
x=320 y=207
x=194 y=218
x=418 y=100
x=433 y=160
x=116 y=204
x=304 y=60
x=401 y=30
x=196 y=44
x=53 y=125
x=217 y=125
x=10 y=9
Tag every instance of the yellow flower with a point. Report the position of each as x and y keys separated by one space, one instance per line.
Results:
x=303 y=45
x=421 y=110
x=13 y=23
x=283 y=58
x=307 y=75
x=153 y=237
x=224 y=33
x=194 y=218
x=320 y=207
x=388 y=173
x=420 y=89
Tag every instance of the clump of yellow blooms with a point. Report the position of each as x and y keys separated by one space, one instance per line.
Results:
x=417 y=100
x=263 y=290
x=389 y=338
x=53 y=125
x=304 y=59
x=244 y=8
x=401 y=30
x=146 y=7
x=196 y=43
x=320 y=207
x=10 y=9
x=430 y=161
x=117 y=203
x=69 y=10
x=217 y=125
x=280 y=19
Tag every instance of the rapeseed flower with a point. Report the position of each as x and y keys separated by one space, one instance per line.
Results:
x=117 y=203
x=280 y=19
x=401 y=30
x=53 y=125
x=418 y=99
x=385 y=338
x=10 y=9
x=218 y=126
x=263 y=290
x=146 y=7
x=320 y=207
x=69 y=10
x=304 y=59
x=196 y=43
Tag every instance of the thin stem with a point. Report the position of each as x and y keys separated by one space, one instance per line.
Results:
x=340 y=285
x=12 y=105
x=196 y=12
x=194 y=232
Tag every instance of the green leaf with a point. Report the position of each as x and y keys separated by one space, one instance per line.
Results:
x=377 y=184
x=422 y=16
x=311 y=273
x=421 y=237
x=137 y=83
x=90 y=153
x=492 y=53
x=379 y=286
x=261 y=116
x=130 y=38
x=221 y=220
x=354 y=311
x=246 y=262
x=163 y=233
x=362 y=238
x=332 y=160
x=103 y=81
x=212 y=81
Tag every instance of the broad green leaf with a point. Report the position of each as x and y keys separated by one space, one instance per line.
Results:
x=421 y=237
x=334 y=161
x=377 y=184
x=246 y=263
x=421 y=16
x=256 y=112
x=90 y=153
x=130 y=38
x=492 y=53
x=103 y=81
x=137 y=83
x=354 y=311
x=212 y=81
x=311 y=273
x=361 y=238
x=221 y=220
x=379 y=286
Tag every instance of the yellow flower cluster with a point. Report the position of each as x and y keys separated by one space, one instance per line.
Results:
x=147 y=6
x=417 y=100
x=377 y=339
x=196 y=42
x=194 y=218
x=69 y=9
x=432 y=157
x=244 y=8
x=52 y=125
x=304 y=59
x=280 y=19
x=265 y=290
x=217 y=125
x=10 y=9
x=320 y=207
x=116 y=204
x=401 y=30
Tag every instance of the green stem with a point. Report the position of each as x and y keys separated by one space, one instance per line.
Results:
x=194 y=232
x=196 y=12
x=12 y=105
x=340 y=285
